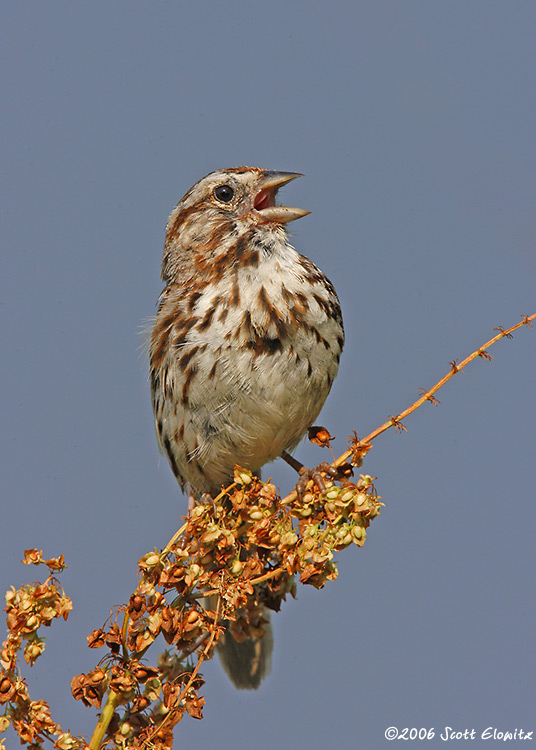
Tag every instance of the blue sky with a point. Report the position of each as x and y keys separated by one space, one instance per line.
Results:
x=413 y=124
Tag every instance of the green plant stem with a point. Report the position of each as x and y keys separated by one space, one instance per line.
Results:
x=104 y=720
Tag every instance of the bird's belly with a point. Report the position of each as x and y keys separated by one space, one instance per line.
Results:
x=245 y=408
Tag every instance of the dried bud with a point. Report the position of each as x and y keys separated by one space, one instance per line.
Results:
x=149 y=561
x=347 y=496
x=319 y=436
x=33 y=556
x=66 y=742
x=33 y=650
x=89 y=688
x=192 y=618
x=198 y=512
x=136 y=606
x=7 y=689
x=242 y=476
x=289 y=539
x=56 y=563
x=32 y=623
x=364 y=481
x=170 y=693
x=359 y=535
x=122 y=682
x=194 y=706
x=96 y=639
x=113 y=637
x=237 y=567
x=268 y=490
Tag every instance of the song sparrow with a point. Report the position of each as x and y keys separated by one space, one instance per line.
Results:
x=245 y=345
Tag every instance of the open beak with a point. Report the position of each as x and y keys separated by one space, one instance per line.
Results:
x=264 y=202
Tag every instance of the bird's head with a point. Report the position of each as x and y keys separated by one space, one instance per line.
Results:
x=224 y=205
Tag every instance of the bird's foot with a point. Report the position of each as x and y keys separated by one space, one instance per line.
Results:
x=205 y=499
x=315 y=475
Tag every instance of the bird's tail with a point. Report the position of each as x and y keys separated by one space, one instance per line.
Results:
x=247 y=661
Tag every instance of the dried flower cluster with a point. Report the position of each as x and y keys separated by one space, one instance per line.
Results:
x=235 y=555
x=232 y=557
x=28 y=608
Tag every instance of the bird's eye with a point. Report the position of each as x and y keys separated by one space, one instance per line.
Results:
x=223 y=193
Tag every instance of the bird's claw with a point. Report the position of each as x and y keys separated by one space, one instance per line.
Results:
x=315 y=475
